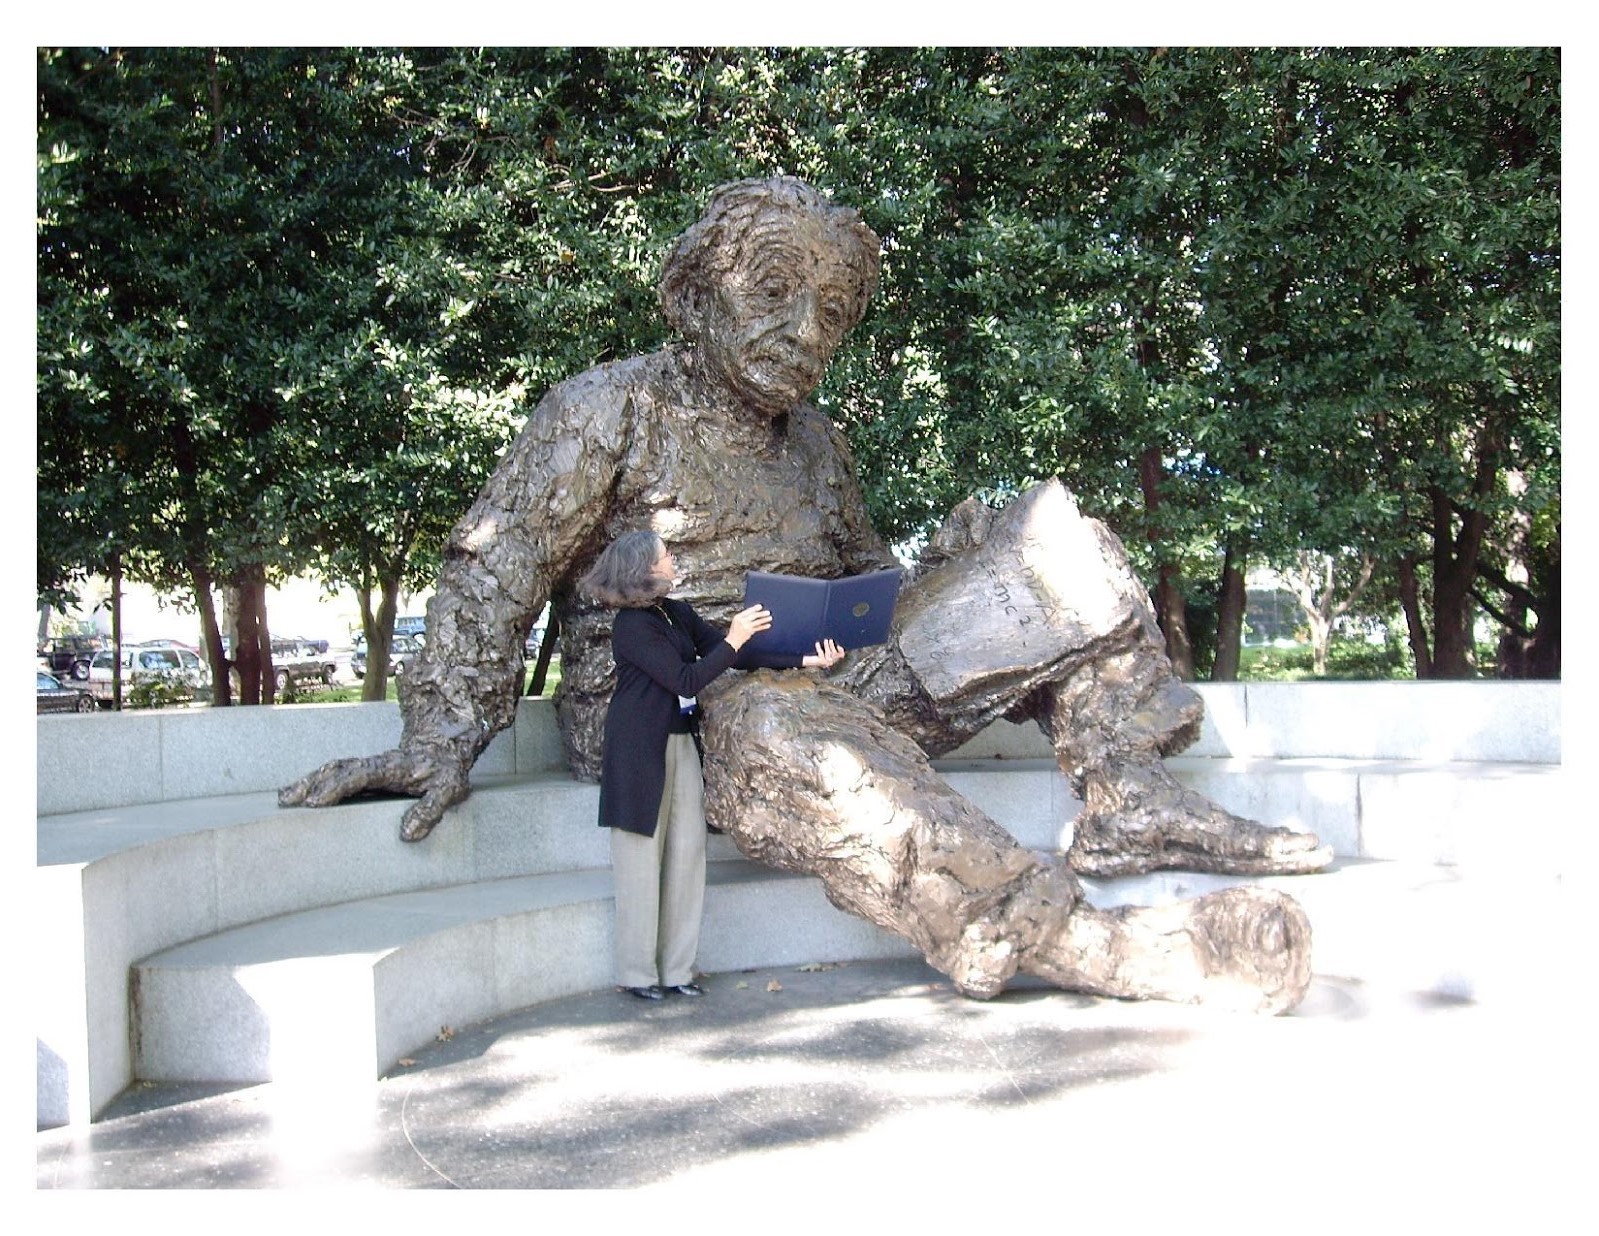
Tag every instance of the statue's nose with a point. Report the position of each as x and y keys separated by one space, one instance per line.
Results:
x=805 y=321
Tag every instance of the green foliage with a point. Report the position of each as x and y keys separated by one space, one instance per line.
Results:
x=158 y=691
x=1346 y=659
x=293 y=303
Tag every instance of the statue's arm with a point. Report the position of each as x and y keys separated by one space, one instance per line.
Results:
x=542 y=506
x=545 y=503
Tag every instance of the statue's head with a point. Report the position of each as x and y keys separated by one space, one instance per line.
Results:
x=766 y=285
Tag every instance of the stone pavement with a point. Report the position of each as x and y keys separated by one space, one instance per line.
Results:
x=798 y=1086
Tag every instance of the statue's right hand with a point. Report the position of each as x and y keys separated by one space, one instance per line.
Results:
x=428 y=774
x=340 y=779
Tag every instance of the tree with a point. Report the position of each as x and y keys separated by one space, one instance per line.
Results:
x=1248 y=302
x=1445 y=296
x=1314 y=580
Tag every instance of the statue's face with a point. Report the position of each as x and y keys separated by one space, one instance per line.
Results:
x=773 y=322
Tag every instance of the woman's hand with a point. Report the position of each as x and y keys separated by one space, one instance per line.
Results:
x=828 y=654
x=748 y=622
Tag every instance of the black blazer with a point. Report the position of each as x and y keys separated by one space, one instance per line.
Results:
x=661 y=653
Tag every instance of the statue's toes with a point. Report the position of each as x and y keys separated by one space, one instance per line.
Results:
x=1238 y=845
x=1291 y=852
x=1190 y=833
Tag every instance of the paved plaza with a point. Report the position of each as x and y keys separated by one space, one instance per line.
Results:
x=827 y=1080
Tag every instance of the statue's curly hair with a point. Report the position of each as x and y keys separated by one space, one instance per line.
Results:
x=709 y=249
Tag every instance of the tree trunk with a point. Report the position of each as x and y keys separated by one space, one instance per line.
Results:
x=116 y=632
x=269 y=684
x=379 y=631
x=1234 y=600
x=541 y=669
x=252 y=641
x=1170 y=608
x=1451 y=617
x=1415 y=623
x=1320 y=641
x=1454 y=559
x=1543 y=656
x=211 y=637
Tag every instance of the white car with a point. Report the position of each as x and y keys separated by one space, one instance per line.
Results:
x=179 y=664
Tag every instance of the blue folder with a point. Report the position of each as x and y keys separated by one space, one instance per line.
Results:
x=854 y=612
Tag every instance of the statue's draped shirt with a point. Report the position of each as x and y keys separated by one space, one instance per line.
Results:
x=726 y=493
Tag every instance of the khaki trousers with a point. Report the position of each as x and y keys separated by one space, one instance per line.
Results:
x=660 y=880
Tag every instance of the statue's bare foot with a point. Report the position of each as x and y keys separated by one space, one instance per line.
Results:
x=1151 y=823
x=438 y=781
x=1245 y=949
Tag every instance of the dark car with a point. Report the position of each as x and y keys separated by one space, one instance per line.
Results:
x=54 y=697
x=68 y=656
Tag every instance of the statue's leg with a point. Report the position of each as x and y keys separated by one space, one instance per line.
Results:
x=1110 y=722
x=805 y=777
x=1035 y=612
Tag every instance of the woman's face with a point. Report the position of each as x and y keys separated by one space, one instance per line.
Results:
x=665 y=566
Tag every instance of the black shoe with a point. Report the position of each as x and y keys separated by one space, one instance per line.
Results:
x=645 y=993
x=688 y=989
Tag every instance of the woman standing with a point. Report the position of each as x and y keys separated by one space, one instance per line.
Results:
x=651 y=792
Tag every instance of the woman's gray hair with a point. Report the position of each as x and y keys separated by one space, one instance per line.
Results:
x=623 y=575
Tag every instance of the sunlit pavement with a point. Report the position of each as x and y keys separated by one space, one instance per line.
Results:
x=878 y=1076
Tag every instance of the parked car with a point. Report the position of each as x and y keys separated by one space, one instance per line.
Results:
x=180 y=665
x=191 y=657
x=299 y=661
x=413 y=625
x=194 y=665
x=55 y=697
x=69 y=655
x=402 y=652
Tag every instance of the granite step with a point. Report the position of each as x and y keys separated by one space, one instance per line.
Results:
x=345 y=991
x=340 y=994
x=121 y=885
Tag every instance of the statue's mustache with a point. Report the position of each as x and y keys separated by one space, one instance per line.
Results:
x=790 y=359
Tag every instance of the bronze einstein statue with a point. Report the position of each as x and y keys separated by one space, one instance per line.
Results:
x=1029 y=612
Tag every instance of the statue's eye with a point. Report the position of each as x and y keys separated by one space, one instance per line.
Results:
x=774 y=290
